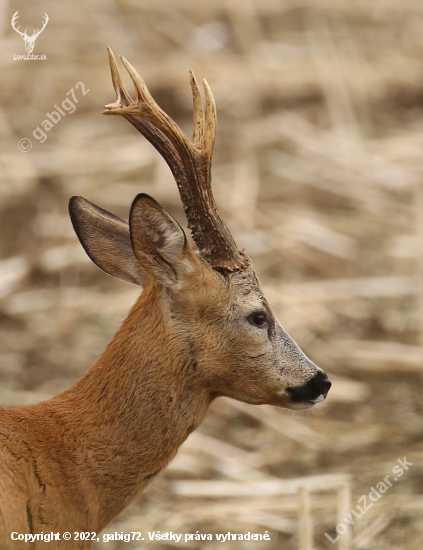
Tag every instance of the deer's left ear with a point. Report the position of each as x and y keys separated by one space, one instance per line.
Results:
x=106 y=240
x=158 y=241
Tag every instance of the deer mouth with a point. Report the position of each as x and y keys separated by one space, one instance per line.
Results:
x=311 y=393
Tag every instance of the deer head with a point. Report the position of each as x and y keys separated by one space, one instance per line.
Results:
x=29 y=40
x=211 y=301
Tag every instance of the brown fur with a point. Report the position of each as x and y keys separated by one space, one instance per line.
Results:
x=76 y=461
x=73 y=463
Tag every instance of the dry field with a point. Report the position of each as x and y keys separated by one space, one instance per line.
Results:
x=318 y=171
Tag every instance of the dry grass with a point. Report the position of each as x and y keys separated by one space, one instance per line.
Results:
x=318 y=172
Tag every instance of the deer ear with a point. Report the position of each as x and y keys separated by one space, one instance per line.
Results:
x=158 y=241
x=105 y=239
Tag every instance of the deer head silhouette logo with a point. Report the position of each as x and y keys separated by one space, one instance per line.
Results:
x=29 y=40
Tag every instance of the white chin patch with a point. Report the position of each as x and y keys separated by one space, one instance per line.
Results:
x=319 y=399
x=302 y=405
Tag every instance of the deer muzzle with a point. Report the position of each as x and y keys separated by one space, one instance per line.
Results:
x=314 y=391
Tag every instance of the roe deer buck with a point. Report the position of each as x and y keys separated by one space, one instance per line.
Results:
x=200 y=329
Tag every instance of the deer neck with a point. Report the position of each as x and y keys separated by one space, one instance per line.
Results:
x=135 y=406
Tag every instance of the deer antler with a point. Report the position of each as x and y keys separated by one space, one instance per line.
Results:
x=189 y=161
x=14 y=19
x=38 y=32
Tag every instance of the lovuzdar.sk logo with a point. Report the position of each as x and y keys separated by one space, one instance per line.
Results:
x=29 y=40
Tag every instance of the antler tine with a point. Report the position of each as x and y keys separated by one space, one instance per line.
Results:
x=125 y=106
x=204 y=127
x=198 y=123
x=146 y=107
x=140 y=87
x=211 y=120
x=189 y=161
x=123 y=98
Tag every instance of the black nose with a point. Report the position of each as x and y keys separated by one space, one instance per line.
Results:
x=317 y=386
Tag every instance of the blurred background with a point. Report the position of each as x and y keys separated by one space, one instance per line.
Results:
x=318 y=172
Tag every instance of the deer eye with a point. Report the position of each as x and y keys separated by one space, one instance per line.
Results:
x=258 y=319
